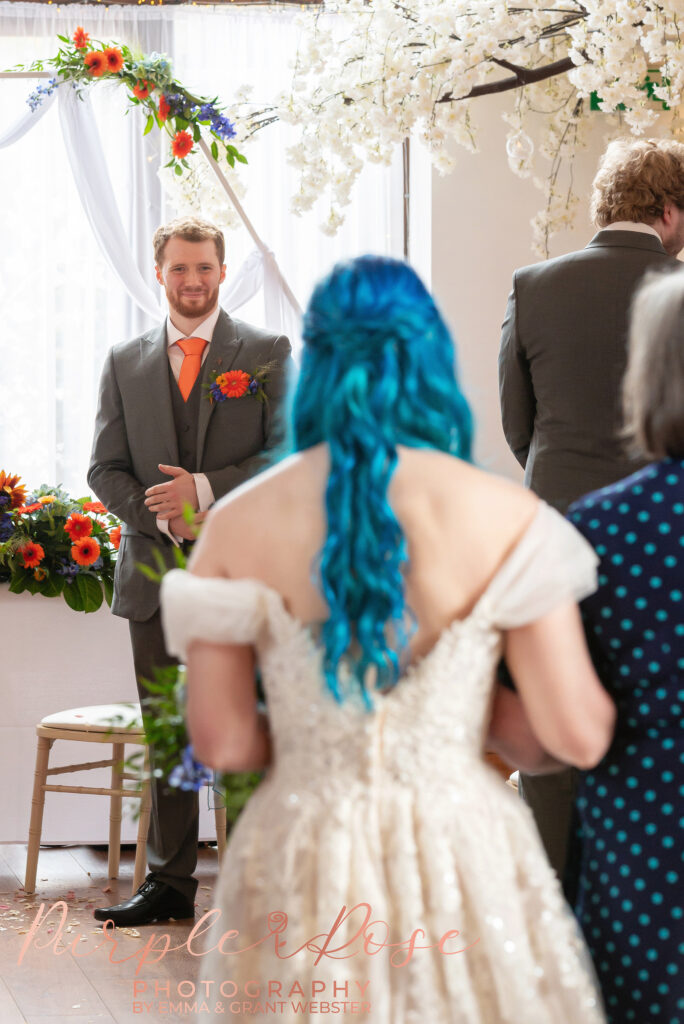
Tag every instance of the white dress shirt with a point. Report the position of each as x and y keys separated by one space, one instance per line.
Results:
x=631 y=225
x=205 y=495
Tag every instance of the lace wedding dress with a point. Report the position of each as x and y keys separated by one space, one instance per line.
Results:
x=393 y=813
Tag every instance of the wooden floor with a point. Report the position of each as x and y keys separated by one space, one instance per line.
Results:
x=63 y=978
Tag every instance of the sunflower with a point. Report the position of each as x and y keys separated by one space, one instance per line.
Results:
x=78 y=526
x=32 y=554
x=13 y=493
x=85 y=551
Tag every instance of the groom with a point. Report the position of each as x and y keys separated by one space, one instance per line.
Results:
x=161 y=443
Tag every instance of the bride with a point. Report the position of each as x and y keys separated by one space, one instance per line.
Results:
x=382 y=870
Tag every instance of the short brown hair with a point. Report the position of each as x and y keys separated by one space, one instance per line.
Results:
x=191 y=229
x=653 y=388
x=635 y=179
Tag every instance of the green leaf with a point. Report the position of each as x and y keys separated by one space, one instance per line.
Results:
x=52 y=586
x=181 y=124
x=196 y=134
x=178 y=169
x=64 y=39
x=241 y=158
x=231 y=159
x=108 y=590
x=214 y=150
x=148 y=572
x=72 y=597
x=149 y=125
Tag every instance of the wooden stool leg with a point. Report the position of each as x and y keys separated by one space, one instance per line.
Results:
x=220 y=818
x=115 y=811
x=37 y=805
x=143 y=827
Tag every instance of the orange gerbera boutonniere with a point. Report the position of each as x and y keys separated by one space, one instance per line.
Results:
x=85 y=551
x=114 y=59
x=32 y=554
x=115 y=537
x=78 y=526
x=236 y=383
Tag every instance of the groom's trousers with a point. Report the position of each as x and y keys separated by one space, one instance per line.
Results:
x=174 y=818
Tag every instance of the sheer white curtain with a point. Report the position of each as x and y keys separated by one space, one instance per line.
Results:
x=63 y=305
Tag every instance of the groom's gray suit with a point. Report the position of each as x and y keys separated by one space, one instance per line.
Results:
x=563 y=355
x=142 y=421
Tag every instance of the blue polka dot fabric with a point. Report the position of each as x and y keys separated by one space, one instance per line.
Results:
x=630 y=807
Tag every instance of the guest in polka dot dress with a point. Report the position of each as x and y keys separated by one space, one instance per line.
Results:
x=631 y=889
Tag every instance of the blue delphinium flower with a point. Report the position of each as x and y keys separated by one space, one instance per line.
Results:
x=4 y=498
x=6 y=526
x=68 y=569
x=36 y=97
x=223 y=127
x=190 y=774
x=207 y=112
x=253 y=386
x=216 y=393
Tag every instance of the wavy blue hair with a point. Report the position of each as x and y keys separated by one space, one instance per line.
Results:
x=378 y=370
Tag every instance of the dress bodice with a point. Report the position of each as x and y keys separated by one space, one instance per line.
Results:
x=436 y=715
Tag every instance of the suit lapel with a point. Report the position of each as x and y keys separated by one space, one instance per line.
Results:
x=155 y=367
x=223 y=352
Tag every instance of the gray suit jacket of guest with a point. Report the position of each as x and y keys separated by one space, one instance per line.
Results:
x=563 y=355
x=135 y=431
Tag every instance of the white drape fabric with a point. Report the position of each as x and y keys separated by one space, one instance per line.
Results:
x=67 y=298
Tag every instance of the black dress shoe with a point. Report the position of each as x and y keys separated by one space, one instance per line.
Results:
x=154 y=901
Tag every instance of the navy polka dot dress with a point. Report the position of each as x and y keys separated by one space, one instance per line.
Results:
x=630 y=807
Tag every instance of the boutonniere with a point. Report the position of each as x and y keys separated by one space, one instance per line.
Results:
x=236 y=383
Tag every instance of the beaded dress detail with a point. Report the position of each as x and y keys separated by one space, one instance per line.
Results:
x=395 y=809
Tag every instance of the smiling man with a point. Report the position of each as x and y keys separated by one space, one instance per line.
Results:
x=161 y=441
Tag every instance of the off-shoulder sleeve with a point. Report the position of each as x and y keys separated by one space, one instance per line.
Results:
x=217 y=610
x=551 y=565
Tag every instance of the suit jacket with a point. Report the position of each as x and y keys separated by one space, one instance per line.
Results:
x=563 y=355
x=134 y=432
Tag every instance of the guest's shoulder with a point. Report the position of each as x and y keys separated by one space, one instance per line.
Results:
x=537 y=271
x=622 y=495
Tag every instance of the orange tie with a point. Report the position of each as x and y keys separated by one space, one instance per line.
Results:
x=190 y=367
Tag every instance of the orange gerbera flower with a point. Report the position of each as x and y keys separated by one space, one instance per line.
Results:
x=78 y=526
x=95 y=506
x=47 y=499
x=114 y=59
x=234 y=384
x=142 y=89
x=115 y=537
x=9 y=485
x=164 y=108
x=81 y=38
x=39 y=575
x=182 y=144
x=24 y=510
x=85 y=551
x=96 y=63
x=32 y=554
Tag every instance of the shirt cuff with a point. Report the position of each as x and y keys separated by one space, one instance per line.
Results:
x=205 y=495
x=163 y=527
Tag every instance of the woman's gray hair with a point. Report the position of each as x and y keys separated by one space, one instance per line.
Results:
x=653 y=388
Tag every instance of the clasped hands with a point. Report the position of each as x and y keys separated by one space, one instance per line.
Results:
x=168 y=500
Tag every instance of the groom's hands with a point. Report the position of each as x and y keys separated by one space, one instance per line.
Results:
x=168 y=500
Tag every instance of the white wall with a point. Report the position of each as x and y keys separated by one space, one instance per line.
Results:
x=481 y=232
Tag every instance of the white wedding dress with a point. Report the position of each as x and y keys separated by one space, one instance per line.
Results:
x=395 y=809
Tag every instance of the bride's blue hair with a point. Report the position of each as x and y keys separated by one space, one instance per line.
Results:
x=378 y=370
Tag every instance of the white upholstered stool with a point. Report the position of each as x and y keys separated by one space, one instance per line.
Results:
x=117 y=724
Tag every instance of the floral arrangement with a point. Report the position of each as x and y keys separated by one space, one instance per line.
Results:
x=236 y=383
x=164 y=719
x=150 y=84
x=52 y=544
x=369 y=76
